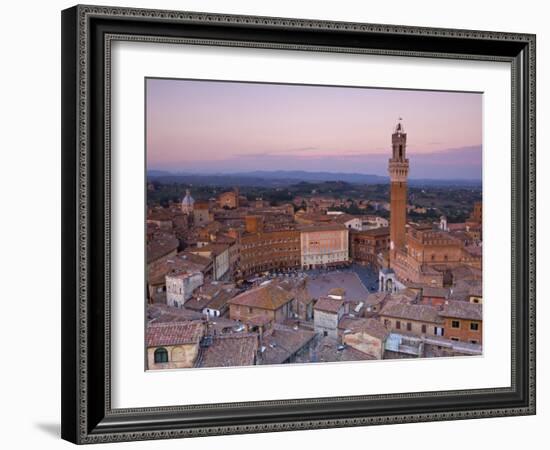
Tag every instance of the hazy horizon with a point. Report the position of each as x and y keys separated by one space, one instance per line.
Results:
x=212 y=127
x=238 y=172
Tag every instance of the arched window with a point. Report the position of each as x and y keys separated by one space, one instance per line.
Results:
x=161 y=355
x=400 y=151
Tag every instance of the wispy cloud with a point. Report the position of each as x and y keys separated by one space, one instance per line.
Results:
x=276 y=153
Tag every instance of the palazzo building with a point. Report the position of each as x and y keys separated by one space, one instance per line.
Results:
x=270 y=250
x=367 y=245
x=324 y=245
x=418 y=253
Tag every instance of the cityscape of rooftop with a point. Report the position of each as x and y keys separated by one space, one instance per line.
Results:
x=248 y=271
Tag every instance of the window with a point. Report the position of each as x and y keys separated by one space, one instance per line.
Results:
x=455 y=324
x=423 y=328
x=398 y=324
x=325 y=333
x=473 y=341
x=161 y=355
x=455 y=339
x=409 y=326
x=438 y=331
x=474 y=326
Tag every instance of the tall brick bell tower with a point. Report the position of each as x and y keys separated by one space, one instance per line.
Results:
x=398 y=169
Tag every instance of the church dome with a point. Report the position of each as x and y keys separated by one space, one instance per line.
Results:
x=187 y=202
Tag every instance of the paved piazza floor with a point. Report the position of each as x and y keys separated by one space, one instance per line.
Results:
x=358 y=281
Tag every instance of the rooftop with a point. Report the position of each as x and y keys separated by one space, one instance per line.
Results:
x=269 y=295
x=371 y=327
x=327 y=304
x=182 y=262
x=282 y=342
x=212 y=248
x=376 y=298
x=174 y=333
x=231 y=350
x=421 y=313
x=159 y=214
x=462 y=310
x=322 y=227
x=329 y=350
x=160 y=313
x=161 y=244
x=431 y=291
x=375 y=232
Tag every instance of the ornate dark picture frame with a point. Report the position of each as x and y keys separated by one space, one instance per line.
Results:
x=87 y=34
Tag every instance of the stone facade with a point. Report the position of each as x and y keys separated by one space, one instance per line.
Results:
x=273 y=250
x=229 y=199
x=324 y=245
x=365 y=246
x=201 y=213
x=180 y=287
x=327 y=313
x=179 y=356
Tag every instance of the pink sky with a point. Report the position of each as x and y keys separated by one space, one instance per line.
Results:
x=210 y=126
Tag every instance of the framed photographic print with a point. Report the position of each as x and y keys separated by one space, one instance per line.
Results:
x=278 y=224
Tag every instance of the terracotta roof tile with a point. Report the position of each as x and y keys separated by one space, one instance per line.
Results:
x=161 y=244
x=269 y=296
x=282 y=342
x=174 y=333
x=330 y=305
x=462 y=310
x=179 y=263
x=231 y=350
x=421 y=313
x=371 y=327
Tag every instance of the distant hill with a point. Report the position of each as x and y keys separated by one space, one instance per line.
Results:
x=287 y=177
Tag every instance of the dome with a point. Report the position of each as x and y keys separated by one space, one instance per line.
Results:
x=187 y=202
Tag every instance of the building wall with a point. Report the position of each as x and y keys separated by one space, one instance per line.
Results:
x=354 y=224
x=246 y=313
x=324 y=247
x=221 y=264
x=415 y=326
x=233 y=257
x=179 y=289
x=427 y=249
x=229 y=200
x=366 y=245
x=463 y=333
x=434 y=247
x=409 y=269
x=326 y=323
x=398 y=214
x=179 y=356
x=269 y=251
x=201 y=216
